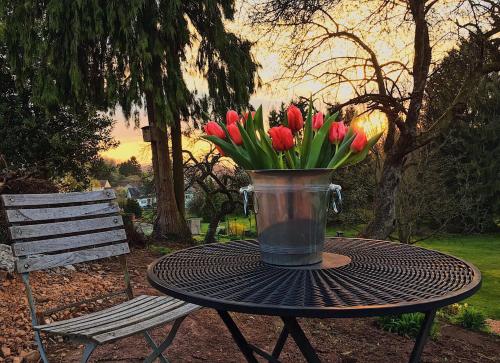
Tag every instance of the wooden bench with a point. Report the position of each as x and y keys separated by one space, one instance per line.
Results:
x=51 y=230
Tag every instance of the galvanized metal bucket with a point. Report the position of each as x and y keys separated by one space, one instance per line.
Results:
x=291 y=209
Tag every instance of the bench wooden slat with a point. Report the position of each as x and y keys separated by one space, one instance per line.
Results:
x=142 y=299
x=145 y=325
x=43 y=214
x=65 y=243
x=20 y=200
x=67 y=258
x=57 y=228
x=129 y=320
x=101 y=325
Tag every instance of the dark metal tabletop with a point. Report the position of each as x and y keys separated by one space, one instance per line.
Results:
x=376 y=278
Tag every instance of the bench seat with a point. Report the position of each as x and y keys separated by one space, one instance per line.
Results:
x=138 y=314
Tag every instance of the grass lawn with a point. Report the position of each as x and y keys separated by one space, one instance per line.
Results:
x=484 y=252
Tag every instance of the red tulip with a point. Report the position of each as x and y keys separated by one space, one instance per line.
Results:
x=359 y=142
x=317 y=120
x=281 y=137
x=337 y=132
x=295 y=119
x=235 y=134
x=232 y=117
x=213 y=128
x=245 y=116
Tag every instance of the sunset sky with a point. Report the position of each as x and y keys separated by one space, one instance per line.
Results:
x=130 y=137
x=273 y=64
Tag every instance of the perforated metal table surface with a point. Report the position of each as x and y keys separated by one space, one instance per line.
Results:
x=360 y=277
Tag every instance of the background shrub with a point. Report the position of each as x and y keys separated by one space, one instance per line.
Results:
x=131 y=206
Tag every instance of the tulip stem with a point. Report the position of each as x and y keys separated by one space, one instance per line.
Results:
x=280 y=161
x=341 y=161
x=289 y=159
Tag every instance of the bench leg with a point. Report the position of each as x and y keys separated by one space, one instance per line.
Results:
x=41 y=348
x=87 y=352
x=159 y=349
x=31 y=302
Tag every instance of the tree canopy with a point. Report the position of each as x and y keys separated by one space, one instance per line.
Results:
x=130 y=167
x=135 y=54
x=366 y=54
x=104 y=52
x=48 y=144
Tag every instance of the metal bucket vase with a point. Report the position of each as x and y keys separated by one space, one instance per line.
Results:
x=291 y=209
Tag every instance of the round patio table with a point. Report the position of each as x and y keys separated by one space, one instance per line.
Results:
x=358 y=277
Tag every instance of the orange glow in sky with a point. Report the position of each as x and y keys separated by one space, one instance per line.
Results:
x=396 y=45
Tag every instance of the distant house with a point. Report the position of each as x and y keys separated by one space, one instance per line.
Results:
x=97 y=185
x=144 y=201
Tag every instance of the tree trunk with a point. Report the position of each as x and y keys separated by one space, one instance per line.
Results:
x=169 y=223
x=384 y=219
x=178 y=163
x=226 y=208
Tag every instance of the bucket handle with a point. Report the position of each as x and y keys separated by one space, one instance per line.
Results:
x=246 y=191
x=336 y=198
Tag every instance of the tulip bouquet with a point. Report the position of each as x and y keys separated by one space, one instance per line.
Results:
x=318 y=142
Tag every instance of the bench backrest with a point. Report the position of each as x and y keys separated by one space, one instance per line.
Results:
x=50 y=230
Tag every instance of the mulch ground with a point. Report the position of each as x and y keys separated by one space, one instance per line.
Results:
x=203 y=337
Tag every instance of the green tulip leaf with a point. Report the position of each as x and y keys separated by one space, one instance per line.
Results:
x=255 y=152
x=266 y=144
x=231 y=151
x=258 y=119
x=327 y=151
x=308 y=134
x=342 y=151
x=317 y=143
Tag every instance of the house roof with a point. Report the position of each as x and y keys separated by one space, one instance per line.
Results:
x=104 y=183
x=135 y=193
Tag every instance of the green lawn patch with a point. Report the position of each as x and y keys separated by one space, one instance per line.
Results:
x=484 y=252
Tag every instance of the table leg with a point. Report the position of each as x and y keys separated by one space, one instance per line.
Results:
x=238 y=336
x=300 y=339
x=280 y=343
x=423 y=334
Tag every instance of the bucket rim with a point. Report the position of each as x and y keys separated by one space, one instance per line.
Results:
x=298 y=171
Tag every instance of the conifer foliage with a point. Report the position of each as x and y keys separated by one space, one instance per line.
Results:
x=133 y=54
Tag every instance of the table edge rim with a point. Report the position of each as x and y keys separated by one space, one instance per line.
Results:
x=322 y=312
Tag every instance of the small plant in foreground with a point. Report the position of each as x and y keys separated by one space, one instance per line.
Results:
x=470 y=318
x=407 y=325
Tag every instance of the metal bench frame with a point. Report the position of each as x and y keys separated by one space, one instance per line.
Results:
x=52 y=230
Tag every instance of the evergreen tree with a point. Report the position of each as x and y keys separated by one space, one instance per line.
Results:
x=49 y=144
x=130 y=167
x=102 y=169
x=125 y=53
x=471 y=147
